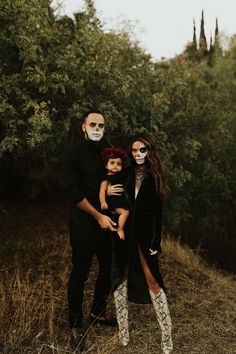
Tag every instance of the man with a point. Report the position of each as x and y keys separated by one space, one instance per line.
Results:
x=82 y=173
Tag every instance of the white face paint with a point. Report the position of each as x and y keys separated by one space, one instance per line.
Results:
x=93 y=127
x=94 y=136
x=139 y=152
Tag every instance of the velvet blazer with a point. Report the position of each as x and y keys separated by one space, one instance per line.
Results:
x=143 y=232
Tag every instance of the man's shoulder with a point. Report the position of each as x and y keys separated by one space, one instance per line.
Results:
x=75 y=147
x=71 y=150
x=72 y=153
x=104 y=143
x=84 y=146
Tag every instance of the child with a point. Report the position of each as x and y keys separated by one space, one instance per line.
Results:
x=113 y=158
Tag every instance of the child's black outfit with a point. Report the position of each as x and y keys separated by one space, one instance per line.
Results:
x=117 y=201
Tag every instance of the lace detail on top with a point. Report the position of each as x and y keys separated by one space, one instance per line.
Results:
x=140 y=174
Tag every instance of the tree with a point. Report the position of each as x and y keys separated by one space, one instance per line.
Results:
x=202 y=40
x=191 y=49
x=53 y=68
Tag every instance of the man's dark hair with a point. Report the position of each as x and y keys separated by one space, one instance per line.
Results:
x=86 y=114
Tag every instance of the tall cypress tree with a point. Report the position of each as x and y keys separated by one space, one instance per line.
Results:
x=217 y=47
x=217 y=28
x=211 y=53
x=202 y=40
x=211 y=46
x=194 y=35
x=191 y=48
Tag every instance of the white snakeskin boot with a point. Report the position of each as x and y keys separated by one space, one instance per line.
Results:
x=163 y=316
x=121 y=303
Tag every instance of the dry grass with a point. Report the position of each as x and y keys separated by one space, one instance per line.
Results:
x=33 y=309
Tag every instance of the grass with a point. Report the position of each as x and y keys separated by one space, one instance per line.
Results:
x=35 y=263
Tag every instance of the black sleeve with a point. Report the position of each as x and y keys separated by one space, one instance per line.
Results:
x=156 y=225
x=71 y=176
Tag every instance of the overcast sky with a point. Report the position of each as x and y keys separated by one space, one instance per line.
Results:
x=163 y=27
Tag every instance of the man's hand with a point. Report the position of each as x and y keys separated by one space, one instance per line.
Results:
x=152 y=252
x=106 y=223
x=115 y=189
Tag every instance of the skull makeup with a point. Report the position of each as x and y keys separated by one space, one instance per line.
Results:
x=139 y=152
x=93 y=127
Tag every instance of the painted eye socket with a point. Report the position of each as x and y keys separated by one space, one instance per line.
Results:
x=143 y=149
x=93 y=125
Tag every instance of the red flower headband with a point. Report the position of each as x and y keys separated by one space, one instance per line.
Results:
x=109 y=153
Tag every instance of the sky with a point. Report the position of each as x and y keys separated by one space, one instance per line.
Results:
x=163 y=27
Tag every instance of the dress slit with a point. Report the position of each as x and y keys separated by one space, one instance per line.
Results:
x=146 y=270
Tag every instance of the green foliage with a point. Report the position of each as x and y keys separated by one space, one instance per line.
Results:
x=54 y=68
x=200 y=126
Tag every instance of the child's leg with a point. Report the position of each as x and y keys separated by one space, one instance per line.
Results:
x=123 y=216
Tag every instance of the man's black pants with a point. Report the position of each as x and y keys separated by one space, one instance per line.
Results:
x=83 y=250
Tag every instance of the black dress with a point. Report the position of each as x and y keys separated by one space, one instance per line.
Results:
x=143 y=231
x=117 y=201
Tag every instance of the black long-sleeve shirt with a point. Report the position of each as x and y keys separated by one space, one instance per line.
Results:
x=82 y=171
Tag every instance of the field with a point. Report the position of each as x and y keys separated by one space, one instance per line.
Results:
x=35 y=263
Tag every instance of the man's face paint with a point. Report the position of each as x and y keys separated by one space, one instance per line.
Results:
x=93 y=127
x=139 y=152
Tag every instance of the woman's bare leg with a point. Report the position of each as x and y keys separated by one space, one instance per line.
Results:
x=152 y=283
x=160 y=304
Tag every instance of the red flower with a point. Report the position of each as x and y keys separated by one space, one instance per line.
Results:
x=109 y=153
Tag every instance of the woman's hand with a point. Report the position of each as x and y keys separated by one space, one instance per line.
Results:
x=115 y=189
x=152 y=252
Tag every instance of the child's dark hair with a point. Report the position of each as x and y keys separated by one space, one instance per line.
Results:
x=113 y=153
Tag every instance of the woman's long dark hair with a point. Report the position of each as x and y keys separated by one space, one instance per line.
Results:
x=155 y=164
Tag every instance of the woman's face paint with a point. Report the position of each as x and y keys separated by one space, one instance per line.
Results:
x=139 y=152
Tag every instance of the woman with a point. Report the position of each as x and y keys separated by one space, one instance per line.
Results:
x=136 y=274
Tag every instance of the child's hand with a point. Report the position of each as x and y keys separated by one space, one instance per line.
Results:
x=104 y=206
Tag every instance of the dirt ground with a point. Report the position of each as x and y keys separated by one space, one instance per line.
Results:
x=35 y=263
